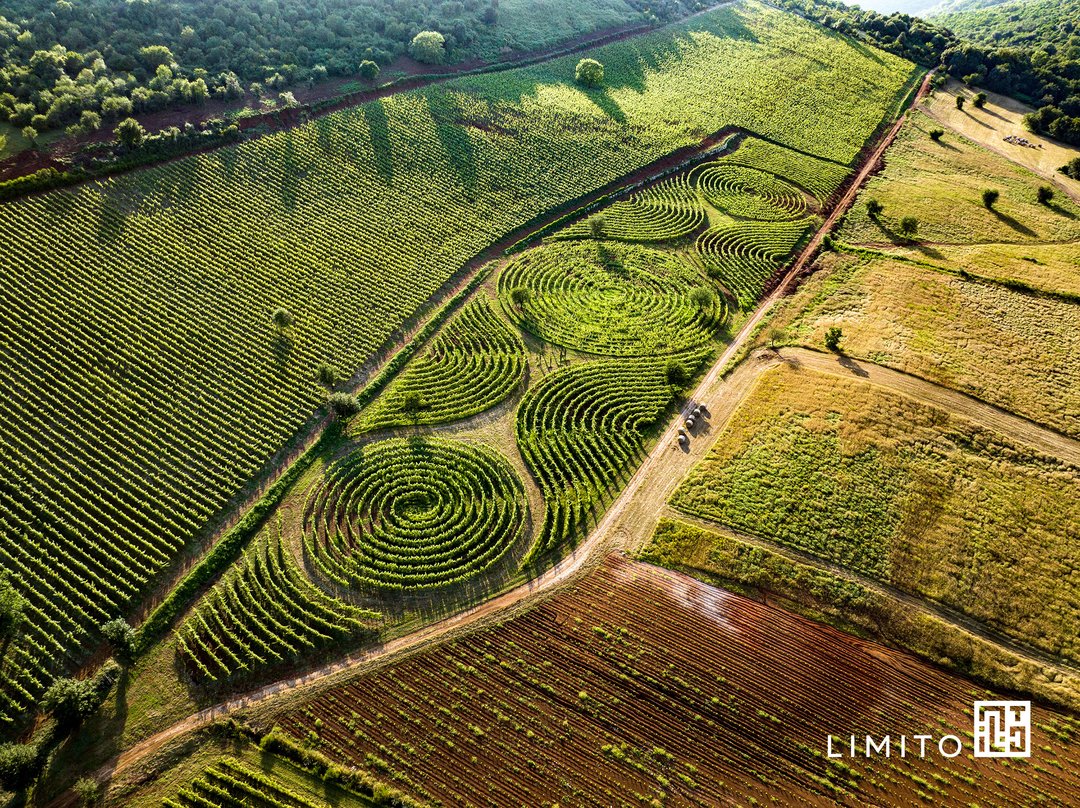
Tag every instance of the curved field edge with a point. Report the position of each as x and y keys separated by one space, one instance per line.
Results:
x=280 y=204
x=722 y=558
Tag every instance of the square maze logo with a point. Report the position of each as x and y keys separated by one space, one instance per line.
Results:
x=1002 y=729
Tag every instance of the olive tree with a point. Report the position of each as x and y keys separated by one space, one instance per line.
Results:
x=589 y=73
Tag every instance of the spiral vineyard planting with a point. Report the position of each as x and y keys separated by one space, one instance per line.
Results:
x=820 y=178
x=581 y=430
x=750 y=194
x=744 y=255
x=610 y=299
x=472 y=365
x=263 y=613
x=641 y=686
x=413 y=514
x=668 y=211
x=161 y=330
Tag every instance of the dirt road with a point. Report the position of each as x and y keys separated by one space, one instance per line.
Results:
x=638 y=506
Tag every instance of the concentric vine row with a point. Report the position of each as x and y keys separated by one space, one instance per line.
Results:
x=610 y=299
x=668 y=211
x=819 y=177
x=750 y=193
x=743 y=255
x=474 y=363
x=413 y=514
x=582 y=429
x=264 y=612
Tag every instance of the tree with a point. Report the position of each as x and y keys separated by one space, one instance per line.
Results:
x=990 y=197
x=589 y=73
x=282 y=318
x=121 y=637
x=832 y=338
x=909 y=226
x=412 y=404
x=369 y=70
x=935 y=134
x=130 y=133
x=874 y=208
x=702 y=297
x=30 y=133
x=70 y=700
x=959 y=102
x=1045 y=194
x=326 y=375
x=342 y=405
x=19 y=765
x=598 y=227
x=88 y=790
x=90 y=121
x=428 y=47
x=979 y=100
x=519 y=296
x=3 y=142
x=1072 y=168
x=676 y=373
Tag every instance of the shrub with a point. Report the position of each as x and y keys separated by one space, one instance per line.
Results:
x=676 y=373
x=428 y=47
x=980 y=100
x=70 y=700
x=121 y=637
x=1045 y=194
x=935 y=134
x=874 y=207
x=342 y=405
x=990 y=197
x=326 y=375
x=832 y=338
x=88 y=790
x=589 y=73
x=30 y=133
x=959 y=102
x=19 y=765
x=703 y=297
x=369 y=70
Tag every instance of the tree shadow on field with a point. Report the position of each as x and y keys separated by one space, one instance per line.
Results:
x=608 y=105
x=1058 y=209
x=1019 y=227
x=290 y=174
x=381 y=147
x=447 y=113
x=980 y=123
x=942 y=144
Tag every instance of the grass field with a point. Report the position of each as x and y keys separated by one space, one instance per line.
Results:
x=902 y=492
x=1008 y=348
x=643 y=687
x=148 y=364
x=941 y=184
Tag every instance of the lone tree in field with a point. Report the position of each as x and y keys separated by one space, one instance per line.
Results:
x=70 y=700
x=342 y=405
x=589 y=73
x=326 y=375
x=990 y=198
x=11 y=607
x=598 y=227
x=677 y=374
x=121 y=637
x=1046 y=194
x=369 y=70
x=30 y=133
x=959 y=102
x=703 y=298
x=282 y=319
x=874 y=208
x=412 y=405
x=519 y=296
x=129 y=133
x=833 y=337
x=935 y=134
x=428 y=47
x=979 y=101
x=909 y=226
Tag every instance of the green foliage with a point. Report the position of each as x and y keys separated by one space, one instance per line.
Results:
x=874 y=207
x=88 y=791
x=343 y=405
x=832 y=338
x=1072 y=168
x=1045 y=194
x=161 y=282
x=369 y=70
x=326 y=374
x=909 y=226
x=475 y=362
x=980 y=100
x=665 y=212
x=229 y=783
x=610 y=299
x=12 y=605
x=130 y=133
x=408 y=515
x=676 y=373
x=428 y=47
x=936 y=134
x=743 y=255
x=589 y=72
x=121 y=637
x=959 y=101
x=70 y=700
x=19 y=766
x=262 y=613
x=990 y=197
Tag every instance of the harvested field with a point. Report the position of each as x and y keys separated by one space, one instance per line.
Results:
x=646 y=687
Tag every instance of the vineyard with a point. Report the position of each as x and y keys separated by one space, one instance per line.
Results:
x=609 y=299
x=230 y=783
x=161 y=332
x=904 y=493
x=474 y=363
x=413 y=514
x=264 y=612
x=641 y=686
x=668 y=211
